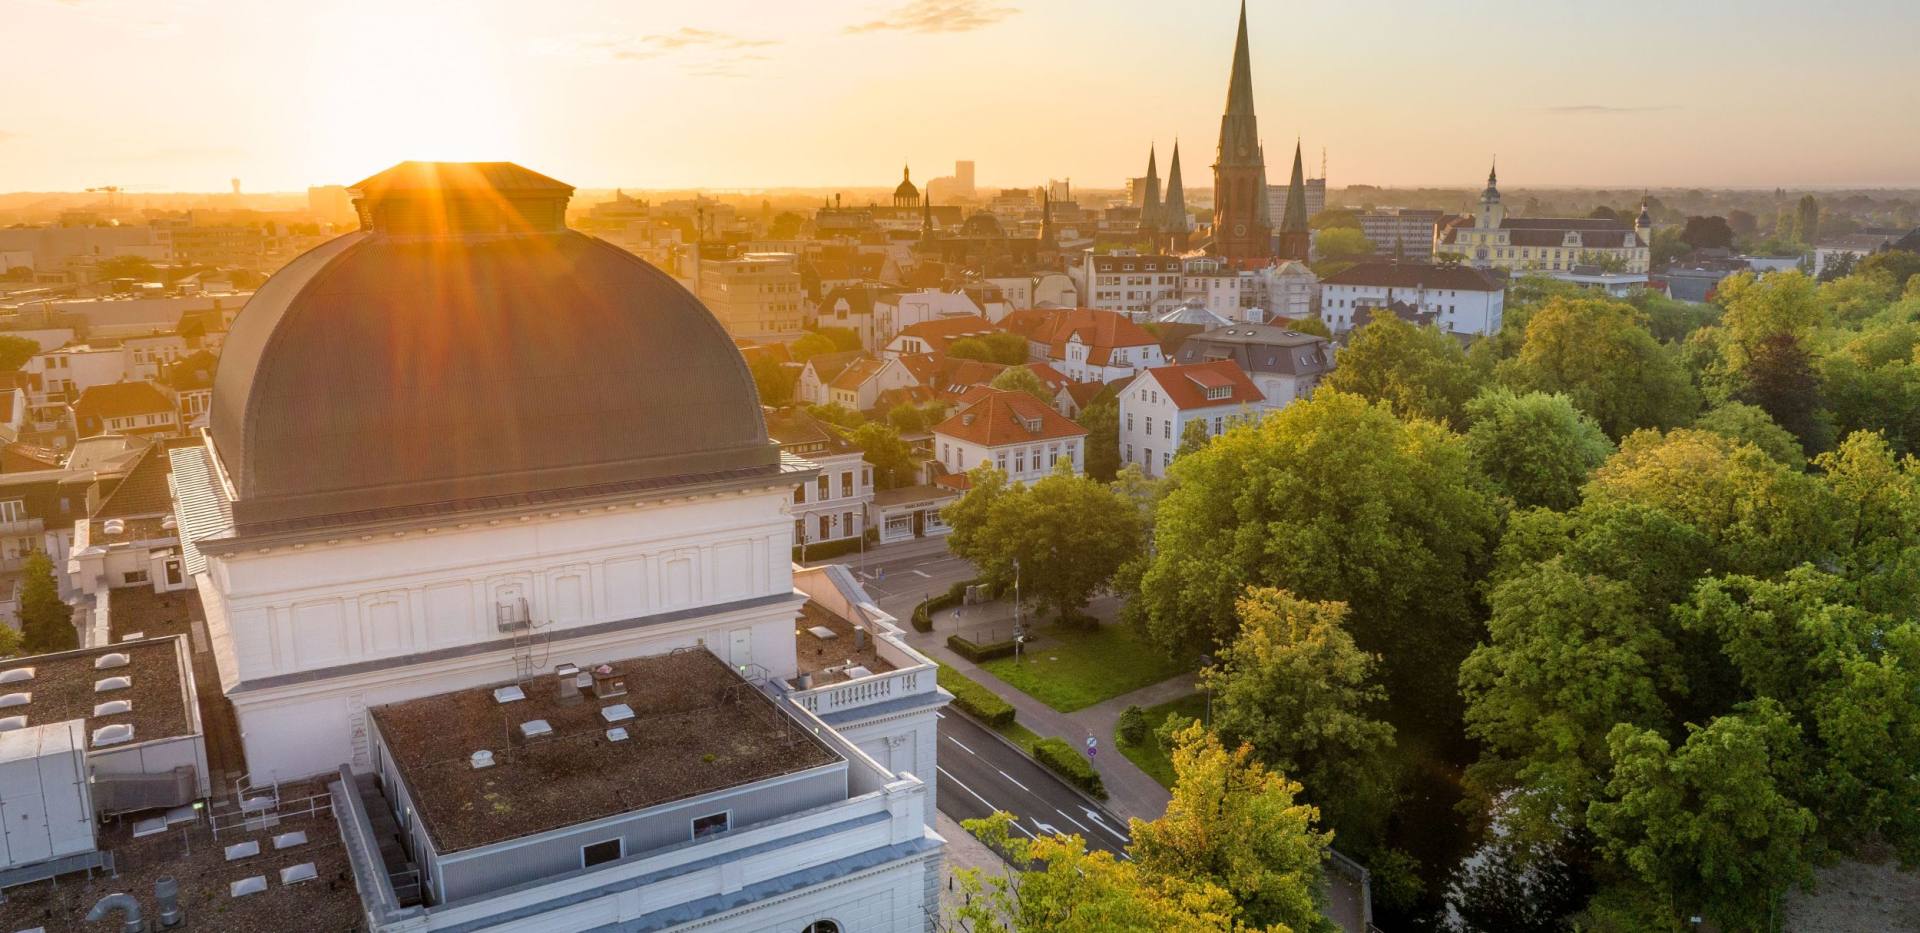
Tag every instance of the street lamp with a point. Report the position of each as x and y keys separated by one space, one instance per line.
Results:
x=1206 y=661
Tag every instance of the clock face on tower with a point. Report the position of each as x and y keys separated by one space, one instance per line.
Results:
x=1239 y=229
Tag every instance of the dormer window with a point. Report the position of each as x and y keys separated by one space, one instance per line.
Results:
x=1219 y=392
x=1031 y=424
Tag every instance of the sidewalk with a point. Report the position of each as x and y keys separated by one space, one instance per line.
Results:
x=1131 y=792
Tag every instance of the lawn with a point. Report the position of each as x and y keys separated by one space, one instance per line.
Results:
x=1070 y=669
x=1148 y=756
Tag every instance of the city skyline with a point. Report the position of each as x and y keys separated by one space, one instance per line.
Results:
x=735 y=95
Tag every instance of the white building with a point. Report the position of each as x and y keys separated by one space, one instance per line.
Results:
x=1157 y=406
x=1460 y=299
x=1285 y=365
x=601 y=507
x=1086 y=344
x=1133 y=284
x=833 y=507
x=1014 y=432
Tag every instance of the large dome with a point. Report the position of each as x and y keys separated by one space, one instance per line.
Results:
x=464 y=349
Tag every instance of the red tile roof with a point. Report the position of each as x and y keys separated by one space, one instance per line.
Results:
x=940 y=333
x=949 y=376
x=1001 y=418
x=1102 y=331
x=121 y=400
x=1187 y=385
x=855 y=376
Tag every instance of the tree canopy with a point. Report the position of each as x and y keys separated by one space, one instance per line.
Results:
x=1596 y=353
x=1022 y=379
x=46 y=621
x=1537 y=448
x=1420 y=372
x=1065 y=535
x=1005 y=348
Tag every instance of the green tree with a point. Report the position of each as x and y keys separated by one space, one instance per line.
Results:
x=1708 y=233
x=1568 y=656
x=1421 y=372
x=46 y=621
x=15 y=352
x=1022 y=379
x=1902 y=266
x=1234 y=824
x=1004 y=348
x=1334 y=218
x=1668 y=244
x=1101 y=418
x=1806 y=220
x=1751 y=424
x=811 y=345
x=1877 y=520
x=1708 y=826
x=1779 y=378
x=1596 y=353
x=774 y=381
x=1058 y=886
x=9 y=641
x=1310 y=325
x=1193 y=437
x=1330 y=498
x=837 y=414
x=1295 y=687
x=845 y=339
x=1763 y=307
x=1537 y=448
x=892 y=460
x=1067 y=534
x=1342 y=243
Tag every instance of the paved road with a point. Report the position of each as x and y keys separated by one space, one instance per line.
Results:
x=979 y=774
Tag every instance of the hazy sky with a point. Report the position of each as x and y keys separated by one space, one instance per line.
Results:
x=184 y=94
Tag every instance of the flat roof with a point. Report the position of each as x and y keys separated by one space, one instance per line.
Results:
x=829 y=659
x=697 y=728
x=62 y=688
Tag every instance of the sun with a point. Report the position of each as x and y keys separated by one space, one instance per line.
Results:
x=420 y=87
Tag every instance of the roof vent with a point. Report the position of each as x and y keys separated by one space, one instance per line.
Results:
x=535 y=728
x=481 y=759
x=114 y=526
x=618 y=712
x=616 y=734
x=16 y=675
x=113 y=708
x=509 y=694
x=112 y=683
x=16 y=699
x=112 y=735
x=10 y=723
x=111 y=660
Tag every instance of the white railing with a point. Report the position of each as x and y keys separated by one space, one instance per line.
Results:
x=866 y=691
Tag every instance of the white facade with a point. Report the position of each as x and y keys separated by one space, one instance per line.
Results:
x=1133 y=284
x=1455 y=310
x=1151 y=424
x=1076 y=362
x=1024 y=462
x=833 y=506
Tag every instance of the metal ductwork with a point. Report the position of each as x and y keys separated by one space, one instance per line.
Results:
x=166 y=896
x=131 y=921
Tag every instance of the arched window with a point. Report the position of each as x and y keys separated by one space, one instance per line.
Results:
x=822 y=926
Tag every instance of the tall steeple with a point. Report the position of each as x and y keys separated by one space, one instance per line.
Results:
x=1242 y=222
x=1492 y=213
x=1176 y=204
x=1047 y=234
x=1295 y=241
x=1150 y=199
x=926 y=216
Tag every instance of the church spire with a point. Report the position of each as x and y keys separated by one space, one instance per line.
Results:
x=1150 y=198
x=1295 y=219
x=926 y=216
x=1047 y=235
x=1176 y=204
x=1239 y=130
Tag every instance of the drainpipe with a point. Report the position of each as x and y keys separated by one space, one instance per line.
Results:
x=166 y=894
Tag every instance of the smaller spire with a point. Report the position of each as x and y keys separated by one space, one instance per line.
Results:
x=1493 y=172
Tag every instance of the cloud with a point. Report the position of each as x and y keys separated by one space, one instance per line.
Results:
x=937 y=16
x=1601 y=109
x=722 y=47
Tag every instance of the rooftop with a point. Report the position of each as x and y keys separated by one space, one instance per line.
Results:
x=63 y=688
x=829 y=659
x=698 y=728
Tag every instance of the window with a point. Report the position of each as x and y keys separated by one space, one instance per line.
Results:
x=846 y=521
x=1020 y=461
x=711 y=825
x=1129 y=453
x=822 y=926
x=846 y=483
x=826 y=526
x=1149 y=425
x=601 y=853
x=799 y=531
x=1166 y=429
x=799 y=494
x=136 y=576
x=825 y=491
x=866 y=477
x=1129 y=421
x=1165 y=459
x=13 y=510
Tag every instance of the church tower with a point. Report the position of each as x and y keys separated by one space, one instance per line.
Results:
x=1491 y=212
x=1174 y=225
x=1295 y=240
x=1150 y=195
x=1242 y=224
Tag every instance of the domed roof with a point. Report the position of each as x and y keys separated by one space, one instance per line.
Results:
x=465 y=348
x=906 y=191
x=982 y=224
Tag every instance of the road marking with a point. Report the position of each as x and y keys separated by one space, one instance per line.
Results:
x=1047 y=828
x=963 y=745
x=1103 y=825
x=923 y=574
x=1070 y=819
x=1015 y=783
x=976 y=795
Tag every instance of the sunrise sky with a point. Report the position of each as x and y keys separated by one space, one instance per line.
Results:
x=183 y=95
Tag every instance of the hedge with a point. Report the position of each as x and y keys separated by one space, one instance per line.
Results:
x=1069 y=763
x=923 y=614
x=975 y=700
x=978 y=653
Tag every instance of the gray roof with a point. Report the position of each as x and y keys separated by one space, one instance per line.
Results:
x=1260 y=348
x=384 y=371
